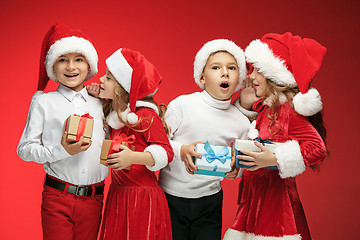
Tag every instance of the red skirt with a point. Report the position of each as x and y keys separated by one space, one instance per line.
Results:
x=269 y=207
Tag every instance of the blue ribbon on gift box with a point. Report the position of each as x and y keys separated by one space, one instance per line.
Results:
x=263 y=141
x=220 y=155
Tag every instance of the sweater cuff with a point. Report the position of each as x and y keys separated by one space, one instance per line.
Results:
x=290 y=160
x=160 y=157
x=176 y=148
x=248 y=113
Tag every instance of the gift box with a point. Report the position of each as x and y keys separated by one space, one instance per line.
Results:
x=112 y=146
x=77 y=126
x=215 y=160
x=249 y=145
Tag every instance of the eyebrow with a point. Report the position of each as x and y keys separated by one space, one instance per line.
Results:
x=220 y=63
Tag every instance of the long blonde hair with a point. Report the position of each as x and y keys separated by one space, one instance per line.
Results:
x=120 y=102
x=273 y=95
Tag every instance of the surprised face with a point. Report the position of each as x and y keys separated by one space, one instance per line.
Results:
x=220 y=75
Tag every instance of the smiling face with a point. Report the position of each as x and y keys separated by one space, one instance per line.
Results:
x=108 y=85
x=71 y=70
x=260 y=83
x=220 y=75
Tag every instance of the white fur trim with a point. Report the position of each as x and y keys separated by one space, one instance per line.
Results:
x=71 y=45
x=120 y=69
x=215 y=46
x=253 y=132
x=114 y=121
x=232 y=234
x=160 y=157
x=132 y=118
x=148 y=105
x=309 y=103
x=248 y=113
x=290 y=160
x=271 y=66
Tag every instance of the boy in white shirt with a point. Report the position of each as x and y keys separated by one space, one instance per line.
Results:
x=74 y=185
x=195 y=201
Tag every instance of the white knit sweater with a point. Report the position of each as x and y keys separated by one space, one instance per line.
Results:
x=199 y=117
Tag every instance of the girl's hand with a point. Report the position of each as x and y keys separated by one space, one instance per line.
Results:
x=186 y=154
x=258 y=160
x=76 y=147
x=234 y=170
x=120 y=160
x=93 y=89
x=247 y=94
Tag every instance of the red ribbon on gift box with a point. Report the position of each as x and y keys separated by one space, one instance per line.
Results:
x=82 y=125
x=118 y=140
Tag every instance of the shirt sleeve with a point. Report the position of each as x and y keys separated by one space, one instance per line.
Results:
x=173 y=118
x=305 y=148
x=30 y=147
x=158 y=142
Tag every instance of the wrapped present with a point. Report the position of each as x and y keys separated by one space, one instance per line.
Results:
x=215 y=160
x=248 y=145
x=77 y=126
x=112 y=146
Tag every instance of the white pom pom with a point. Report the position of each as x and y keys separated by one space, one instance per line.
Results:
x=114 y=121
x=132 y=118
x=309 y=103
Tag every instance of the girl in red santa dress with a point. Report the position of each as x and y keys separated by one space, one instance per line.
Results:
x=289 y=112
x=136 y=206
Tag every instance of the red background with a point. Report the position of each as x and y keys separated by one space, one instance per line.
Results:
x=169 y=34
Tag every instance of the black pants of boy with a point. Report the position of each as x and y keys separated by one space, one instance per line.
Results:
x=196 y=218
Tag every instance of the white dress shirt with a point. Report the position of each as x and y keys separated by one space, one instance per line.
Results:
x=192 y=118
x=41 y=139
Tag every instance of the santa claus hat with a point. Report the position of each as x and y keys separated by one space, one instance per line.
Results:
x=216 y=46
x=59 y=40
x=136 y=75
x=290 y=61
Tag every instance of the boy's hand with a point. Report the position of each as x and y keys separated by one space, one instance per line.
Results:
x=76 y=147
x=234 y=170
x=93 y=89
x=247 y=94
x=186 y=154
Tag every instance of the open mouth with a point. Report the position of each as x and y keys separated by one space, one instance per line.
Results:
x=71 y=75
x=224 y=85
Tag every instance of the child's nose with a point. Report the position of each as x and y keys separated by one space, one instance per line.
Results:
x=224 y=71
x=71 y=65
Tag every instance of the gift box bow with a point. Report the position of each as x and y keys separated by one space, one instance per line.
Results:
x=82 y=124
x=119 y=140
x=220 y=155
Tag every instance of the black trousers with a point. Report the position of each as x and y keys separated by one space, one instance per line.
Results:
x=196 y=218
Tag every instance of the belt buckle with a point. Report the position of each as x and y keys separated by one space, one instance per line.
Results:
x=80 y=191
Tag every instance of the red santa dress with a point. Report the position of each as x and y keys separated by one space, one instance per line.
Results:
x=136 y=207
x=269 y=203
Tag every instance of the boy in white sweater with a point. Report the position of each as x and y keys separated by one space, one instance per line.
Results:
x=195 y=201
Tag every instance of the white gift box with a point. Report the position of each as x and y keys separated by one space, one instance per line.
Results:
x=215 y=160
x=249 y=145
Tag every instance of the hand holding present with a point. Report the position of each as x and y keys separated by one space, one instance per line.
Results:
x=74 y=147
x=187 y=152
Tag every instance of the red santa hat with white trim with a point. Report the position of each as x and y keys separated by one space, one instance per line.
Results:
x=59 y=40
x=136 y=75
x=214 y=46
x=290 y=61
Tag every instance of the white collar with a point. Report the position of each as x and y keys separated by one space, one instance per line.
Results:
x=214 y=102
x=70 y=94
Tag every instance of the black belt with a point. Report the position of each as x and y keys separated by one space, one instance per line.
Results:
x=77 y=190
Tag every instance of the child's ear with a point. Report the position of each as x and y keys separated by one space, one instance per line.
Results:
x=202 y=79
